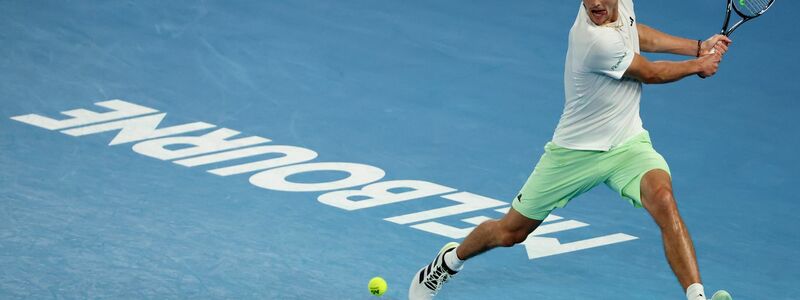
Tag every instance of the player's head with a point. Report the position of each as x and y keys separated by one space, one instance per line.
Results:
x=602 y=11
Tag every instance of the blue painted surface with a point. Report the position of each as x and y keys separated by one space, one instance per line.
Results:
x=460 y=94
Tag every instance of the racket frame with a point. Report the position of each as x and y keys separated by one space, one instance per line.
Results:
x=728 y=31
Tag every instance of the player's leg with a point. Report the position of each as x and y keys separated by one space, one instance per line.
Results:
x=658 y=199
x=512 y=229
x=642 y=176
x=560 y=175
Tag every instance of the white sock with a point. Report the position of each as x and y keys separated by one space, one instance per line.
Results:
x=695 y=292
x=452 y=261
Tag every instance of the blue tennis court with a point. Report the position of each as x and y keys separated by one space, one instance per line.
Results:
x=296 y=149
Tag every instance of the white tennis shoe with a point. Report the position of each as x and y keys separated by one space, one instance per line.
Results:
x=429 y=280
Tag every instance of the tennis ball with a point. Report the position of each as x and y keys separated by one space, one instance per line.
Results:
x=377 y=286
x=721 y=295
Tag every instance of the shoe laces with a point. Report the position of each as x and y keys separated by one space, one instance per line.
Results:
x=437 y=278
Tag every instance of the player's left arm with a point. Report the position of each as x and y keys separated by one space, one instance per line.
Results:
x=652 y=40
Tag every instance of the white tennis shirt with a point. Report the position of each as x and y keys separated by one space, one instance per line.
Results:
x=601 y=108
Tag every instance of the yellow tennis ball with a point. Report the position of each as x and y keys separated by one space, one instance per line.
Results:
x=721 y=295
x=377 y=286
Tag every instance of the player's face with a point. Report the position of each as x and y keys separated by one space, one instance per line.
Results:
x=602 y=11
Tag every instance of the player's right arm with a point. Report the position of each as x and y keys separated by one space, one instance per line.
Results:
x=646 y=71
x=653 y=40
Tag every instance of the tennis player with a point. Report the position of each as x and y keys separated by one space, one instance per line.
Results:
x=599 y=139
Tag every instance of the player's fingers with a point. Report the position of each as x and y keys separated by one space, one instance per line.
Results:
x=721 y=48
x=726 y=39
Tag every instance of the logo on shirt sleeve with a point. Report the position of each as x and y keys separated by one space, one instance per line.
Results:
x=619 y=62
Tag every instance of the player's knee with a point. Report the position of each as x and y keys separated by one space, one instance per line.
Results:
x=661 y=204
x=661 y=201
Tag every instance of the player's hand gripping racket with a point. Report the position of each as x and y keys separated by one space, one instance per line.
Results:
x=747 y=10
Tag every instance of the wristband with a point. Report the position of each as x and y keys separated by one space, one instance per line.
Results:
x=699 y=42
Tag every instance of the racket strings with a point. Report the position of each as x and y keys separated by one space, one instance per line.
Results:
x=752 y=8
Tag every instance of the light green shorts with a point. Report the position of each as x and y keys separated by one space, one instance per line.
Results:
x=563 y=174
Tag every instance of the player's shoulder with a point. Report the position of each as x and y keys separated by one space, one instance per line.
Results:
x=599 y=39
x=600 y=51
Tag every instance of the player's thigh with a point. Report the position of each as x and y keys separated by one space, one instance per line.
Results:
x=630 y=167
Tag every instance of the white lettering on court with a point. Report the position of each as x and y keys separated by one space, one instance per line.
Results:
x=136 y=123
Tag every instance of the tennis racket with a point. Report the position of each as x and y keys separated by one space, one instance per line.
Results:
x=747 y=9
